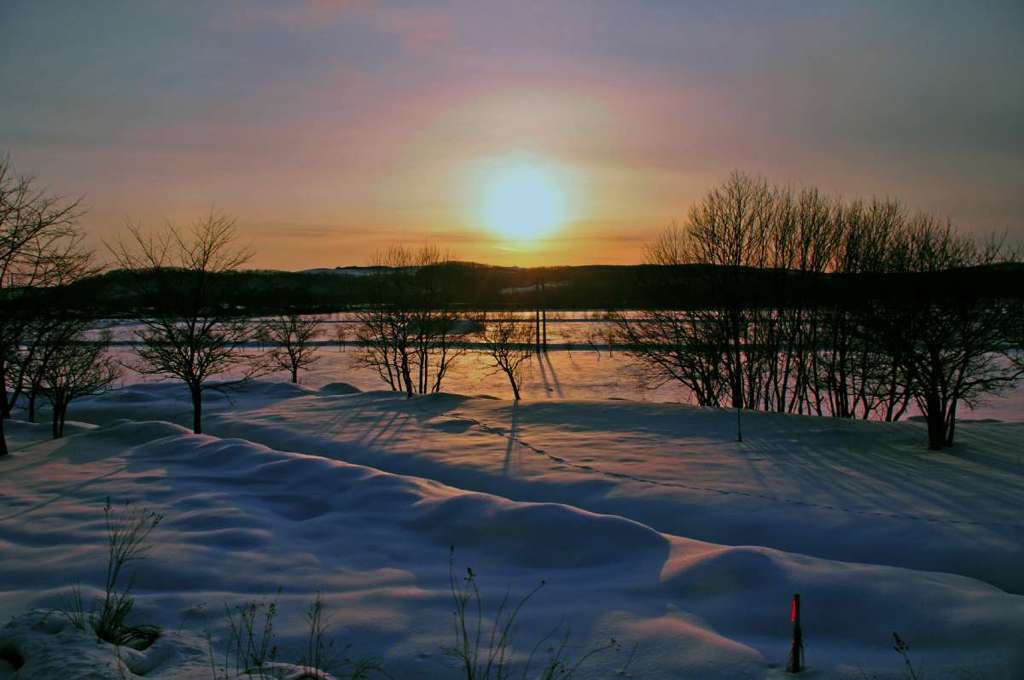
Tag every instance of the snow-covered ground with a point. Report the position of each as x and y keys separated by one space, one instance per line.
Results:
x=648 y=522
x=581 y=374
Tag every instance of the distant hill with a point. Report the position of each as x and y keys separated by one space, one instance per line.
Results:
x=344 y=271
x=477 y=286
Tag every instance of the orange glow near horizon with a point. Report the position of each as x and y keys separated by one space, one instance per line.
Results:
x=514 y=134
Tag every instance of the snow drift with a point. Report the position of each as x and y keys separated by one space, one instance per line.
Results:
x=244 y=520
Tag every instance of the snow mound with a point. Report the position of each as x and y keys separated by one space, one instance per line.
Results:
x=44 y=644
x=524 y=534
x=455 y=425
x=856 y=603
x=130 y=433
x=143 y=393
x=267 y=389
x=339 y=388
x=538 y=535
x=22 y=433
x=135 y=395
x=170 y=390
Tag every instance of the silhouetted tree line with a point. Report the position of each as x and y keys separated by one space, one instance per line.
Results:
x=116 y=294
x=907 y=327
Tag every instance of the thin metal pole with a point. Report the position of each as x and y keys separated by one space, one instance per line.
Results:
x=536 y=316
x=544 y=312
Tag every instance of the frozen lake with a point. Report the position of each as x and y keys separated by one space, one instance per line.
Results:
x=580 y=365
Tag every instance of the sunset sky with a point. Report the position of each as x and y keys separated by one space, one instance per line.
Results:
x=333 y=128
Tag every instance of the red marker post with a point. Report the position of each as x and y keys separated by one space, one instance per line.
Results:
x=796 y=652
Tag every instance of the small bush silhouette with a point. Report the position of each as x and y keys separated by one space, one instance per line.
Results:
x=128 y=529
x=487 y=655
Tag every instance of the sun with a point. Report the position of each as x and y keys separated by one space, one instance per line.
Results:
x=523 y=202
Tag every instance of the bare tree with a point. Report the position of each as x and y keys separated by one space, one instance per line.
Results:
x=439 y=327
x=189 y=332
x=410 y=335
x=291 y=338
x=39 y=245
x=509 y=342
x=666 y=344
x=724 y=348
x=76 y=368
x=43 y=339
x=953 y=347
x=46 y=318
x=845 y=372
x=386 y=327
x=731 y=230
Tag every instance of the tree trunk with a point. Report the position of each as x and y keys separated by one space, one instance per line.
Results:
x=295 y=374
x=407 y=375
x=951 y=423
x=32 y=406
x=515 y=387
x=936 y=418
x=5 y=405
x=57 y=421
x=197 y=409
x=3 y=439
x=8 y=402
x=422 y=372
